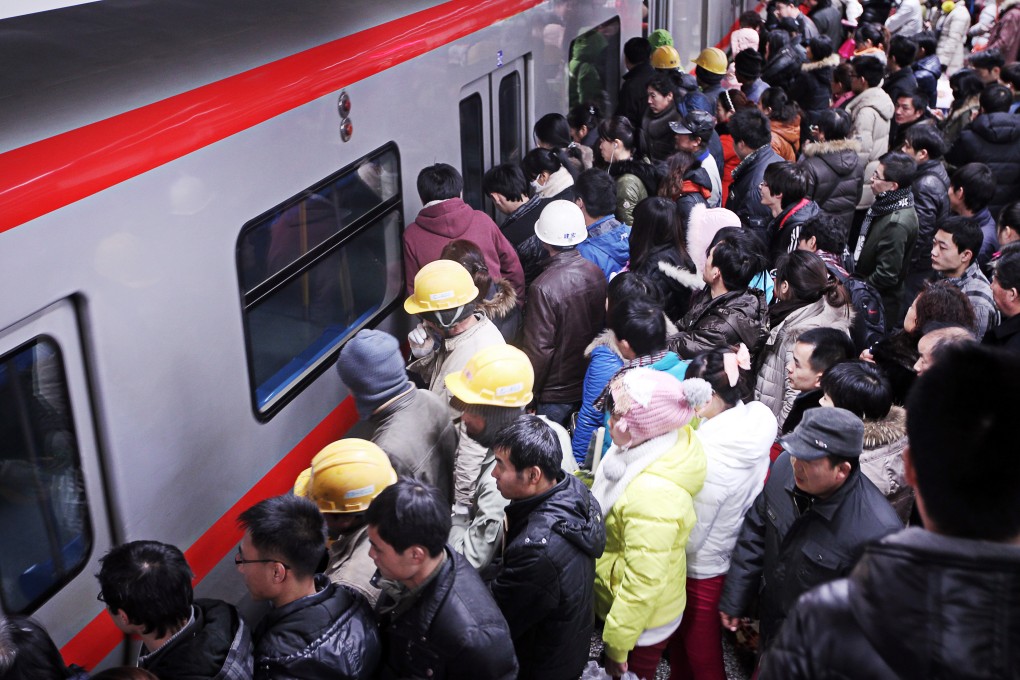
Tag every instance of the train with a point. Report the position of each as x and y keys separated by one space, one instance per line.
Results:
x=200 y=202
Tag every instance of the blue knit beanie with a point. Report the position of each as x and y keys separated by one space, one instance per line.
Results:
x=371 y=366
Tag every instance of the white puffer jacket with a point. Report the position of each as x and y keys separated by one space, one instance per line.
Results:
x=736 y=443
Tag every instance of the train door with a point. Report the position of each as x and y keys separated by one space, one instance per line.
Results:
x=492 y=126
x=54 y=519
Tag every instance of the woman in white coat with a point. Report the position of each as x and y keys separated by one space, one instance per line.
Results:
x=736 y=438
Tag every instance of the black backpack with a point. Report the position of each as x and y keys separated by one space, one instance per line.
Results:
x=869 y=318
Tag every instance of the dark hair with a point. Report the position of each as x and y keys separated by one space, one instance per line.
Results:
x=27 y=652
x=843 y=74
x=965 y=84
x=586 y=115
x=529 y=441
x=788 y=179
x=928 y=138
x=734 y=100
x=538 y=160
x=926 y=42
x=656 y=223
x=965 y=232
x=918 y=101
x=749 y=63
x=618 y=128
x=751 y=127
x=598 y=192
x=941 y=302
x=809 y=279
x=739 y=256
x=987 y=59
x=675 y=170
x=830 y=346
x=898 y=167
x=506 y=179
x=870 y=31
x=554 y=130
x=1007 y=267
x=662 y=84
x=835 y=124
x=289 y=528
x=1011 y=74
x=1009 y=216
x=902 y=50
x=978 y=183
x=439 y=182
x=781 y=107
x=821 y=47
x=859 y=387
x=996 y=98
x=123 y=673
x=869 y=68
x=641 y=323
x=637 y=50
x=628 y=286
x=470 y=256
x=711 y=367
x=150 y=582
x=751 y=19
x=967 y=476
x=829 y=232
x=776 y=40
x=410 y=513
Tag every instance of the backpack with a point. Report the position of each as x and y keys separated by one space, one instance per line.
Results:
x=869 y=320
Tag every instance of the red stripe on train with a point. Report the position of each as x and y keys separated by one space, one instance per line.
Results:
x=97 y=639
x=44 y=176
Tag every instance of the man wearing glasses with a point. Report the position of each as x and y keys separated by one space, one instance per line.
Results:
x=316 y=629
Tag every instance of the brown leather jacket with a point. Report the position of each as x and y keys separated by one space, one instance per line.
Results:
x=566 y=309
x=740 y=316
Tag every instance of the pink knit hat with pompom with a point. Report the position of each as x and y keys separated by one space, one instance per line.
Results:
x=650 y=403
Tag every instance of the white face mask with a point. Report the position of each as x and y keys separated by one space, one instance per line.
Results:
x=535 y=186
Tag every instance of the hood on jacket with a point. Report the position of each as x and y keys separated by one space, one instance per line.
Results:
x=740 y=436
x=933 y=605
x=831 y=61
x=450 y=218
x=997 y=128
x=840 y=156
x=788 y=130
x=501 y=300
x=884 y=431
x=577 y=517
x=875 y=98
x=644 y=171
x=684 y=277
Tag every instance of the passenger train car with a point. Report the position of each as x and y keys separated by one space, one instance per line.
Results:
x=199 y=203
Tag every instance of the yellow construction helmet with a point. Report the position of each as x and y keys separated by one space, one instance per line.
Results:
x=713 y=60
x=500 y=375
x=439 y=285
x=346 y=476
x=665 y=57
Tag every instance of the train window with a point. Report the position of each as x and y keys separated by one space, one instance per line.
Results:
x=593 y=69
x=472 y=149
x=510 y=141
x=315 y=270
x=45 y=535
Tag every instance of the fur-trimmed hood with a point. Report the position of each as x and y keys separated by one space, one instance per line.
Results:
x=502 y=300
x=831 y=61
x=642 y=169
x=884 y=431
x=685 y=277
x=812 y=149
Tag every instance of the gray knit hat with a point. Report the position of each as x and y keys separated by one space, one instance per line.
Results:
x=371 y=366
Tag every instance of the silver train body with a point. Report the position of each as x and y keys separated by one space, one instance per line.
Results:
x=152 y=155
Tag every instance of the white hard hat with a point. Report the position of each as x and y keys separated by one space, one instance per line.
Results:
x=561 y=224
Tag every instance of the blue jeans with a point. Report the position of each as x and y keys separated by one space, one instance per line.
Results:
x=558 y=413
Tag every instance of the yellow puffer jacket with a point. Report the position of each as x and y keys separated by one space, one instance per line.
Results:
x=640 y=580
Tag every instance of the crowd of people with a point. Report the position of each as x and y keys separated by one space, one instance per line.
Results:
x=723 y=347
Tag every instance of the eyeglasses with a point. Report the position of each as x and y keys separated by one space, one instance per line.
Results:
x=763 y=185
x=878 y=177
x=100 y=597
x=238 y=561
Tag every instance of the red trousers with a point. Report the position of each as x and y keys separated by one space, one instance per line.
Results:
x=695 y=649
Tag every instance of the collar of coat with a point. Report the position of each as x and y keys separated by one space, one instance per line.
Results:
x=1009 y=4
x=502 y=301
x=830 y=61
x=827 y=507
x=885 y=431
x=812 y=149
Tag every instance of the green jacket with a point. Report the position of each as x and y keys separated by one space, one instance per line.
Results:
x=886 y=254
x=630 y=191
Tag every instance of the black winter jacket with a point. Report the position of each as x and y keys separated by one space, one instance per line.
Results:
x=216 y=646
x=918 y=605
x=330 y=635
x=931 y=203
x=453 y=632
x=634 y=93
x=781 y=553
x=545 y=585
x=672 y=274
x=993 y=139
x=812 y=88
x=745 y=195
x=782 y=68
x=900 y=83
x=837 y=176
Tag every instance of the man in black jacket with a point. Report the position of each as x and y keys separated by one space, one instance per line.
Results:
x=943 y=601
x=316 y=629
x=146 y=586
x=634 y=90
x=437 y=618
x=545 y=585
x=809 y=524
x=752 y=140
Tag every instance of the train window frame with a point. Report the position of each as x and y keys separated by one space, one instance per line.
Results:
x=471 y=151
x=513 y=84
x=252 y=294
x=613 y=75
x=88 y=531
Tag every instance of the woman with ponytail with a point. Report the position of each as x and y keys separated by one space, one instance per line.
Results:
x=552 y=132
x=550 y=180
x=736 y=437
x=636 y=178
x=807 y=296
x=583 y=120
x=645 y=487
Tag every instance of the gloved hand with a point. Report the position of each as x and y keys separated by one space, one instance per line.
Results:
x=421 y=341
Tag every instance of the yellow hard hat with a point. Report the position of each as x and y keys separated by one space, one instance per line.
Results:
x=665 y=57
x=439 y=285
x=301 y=483
x=713 y=60
x=499 y=375
x=346 y=476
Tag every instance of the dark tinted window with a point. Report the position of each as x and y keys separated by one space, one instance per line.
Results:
x=472 y=153
x=315 y=270
x=45 y=536
x=510 y=141
x=593 y=68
